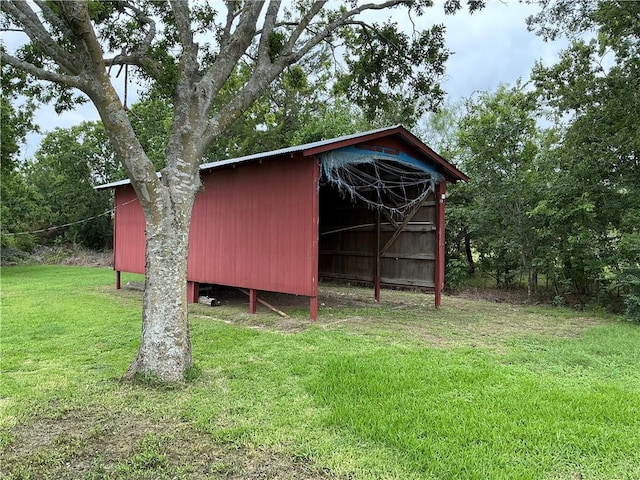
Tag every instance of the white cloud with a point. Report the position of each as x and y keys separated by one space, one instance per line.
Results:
x=492 y=47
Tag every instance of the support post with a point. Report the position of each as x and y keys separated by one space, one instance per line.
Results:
x=118 y=279
x=376 y=274
x=313 y=308
x=193 y=289
x=253 y=296
x=441 y=189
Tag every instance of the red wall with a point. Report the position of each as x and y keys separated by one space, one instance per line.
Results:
x=256 y=226
x=129 y=242
x=253 y=226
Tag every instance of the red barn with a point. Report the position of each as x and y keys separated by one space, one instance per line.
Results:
x=367 y=207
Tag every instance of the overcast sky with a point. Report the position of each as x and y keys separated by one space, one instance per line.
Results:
x=491 y=47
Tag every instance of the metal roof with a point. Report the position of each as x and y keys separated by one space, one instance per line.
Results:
x=313 y=148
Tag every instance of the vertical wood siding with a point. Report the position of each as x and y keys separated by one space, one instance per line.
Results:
x=129 y=241
x=253 y=227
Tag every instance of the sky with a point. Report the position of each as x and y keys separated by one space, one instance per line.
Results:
x=490 y=47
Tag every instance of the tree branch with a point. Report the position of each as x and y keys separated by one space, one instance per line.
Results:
x=139 y=56
x=331 y=27
x=50 y=16
x=42 y=74
x=267 y=29
x=79 y=22
x=304 y=23
x=231 y=15
x=182 y=15
x=142 y=49
x=219 y=71
x=265 y=72
x=23 y=14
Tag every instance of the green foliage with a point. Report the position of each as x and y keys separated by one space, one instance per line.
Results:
x=632 y=302
x=377 y=80
x=562 y=201
x=299 y=107
x=69 y=163
x=456 y=272
x=596 y=200
x=151 y=120
x=19 y=210
x=440 y=130
x=500 y=147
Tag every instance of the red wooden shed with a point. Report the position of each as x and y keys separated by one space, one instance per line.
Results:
x=367 y=207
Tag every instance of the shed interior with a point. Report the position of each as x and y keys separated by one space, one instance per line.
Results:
x=377 y=219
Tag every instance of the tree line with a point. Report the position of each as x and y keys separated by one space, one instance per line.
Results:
x=555 y=165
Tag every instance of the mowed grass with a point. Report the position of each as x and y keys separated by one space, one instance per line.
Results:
x=477 y=390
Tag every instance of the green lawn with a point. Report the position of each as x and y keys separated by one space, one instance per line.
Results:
x=477 y=390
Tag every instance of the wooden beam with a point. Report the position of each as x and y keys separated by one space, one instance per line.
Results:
x=313 y=308
x=399 y=282
x=441 y=189
x=376 y=248
x=253 y=296
x=400 y=229
x=395 y=256
x=392 y=220
x=193 y=289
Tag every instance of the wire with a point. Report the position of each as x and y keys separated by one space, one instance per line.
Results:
x=85 y=220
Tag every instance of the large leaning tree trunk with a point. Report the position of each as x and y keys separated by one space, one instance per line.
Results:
x=70 y=44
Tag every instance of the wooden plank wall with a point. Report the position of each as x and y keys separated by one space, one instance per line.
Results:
x=348 y=239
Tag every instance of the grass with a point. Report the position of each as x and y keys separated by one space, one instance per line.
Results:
x=476 y=390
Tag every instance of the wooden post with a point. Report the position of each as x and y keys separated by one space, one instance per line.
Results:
x=376 y=274
x=266 y=304
x=441 y=189
x=315 y=237
x=193 y=289
x=313 y=308
x=118 y=278
x=253 y=295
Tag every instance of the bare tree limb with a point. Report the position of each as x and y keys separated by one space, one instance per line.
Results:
x=140 y=55
x=264 y=73
x=231 y=15
x=182 y=15
x=144 y=47
x=50 y=16
x=219 y=71
x=304 y=23
x=88 y=47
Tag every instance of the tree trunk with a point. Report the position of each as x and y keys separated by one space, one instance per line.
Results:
x=165 y=348
x=468 y=253
x=532 y=282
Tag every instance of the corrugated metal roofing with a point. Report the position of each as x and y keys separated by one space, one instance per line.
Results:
x=324 y=145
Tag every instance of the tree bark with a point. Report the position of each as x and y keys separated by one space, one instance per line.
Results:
x=165 y=347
